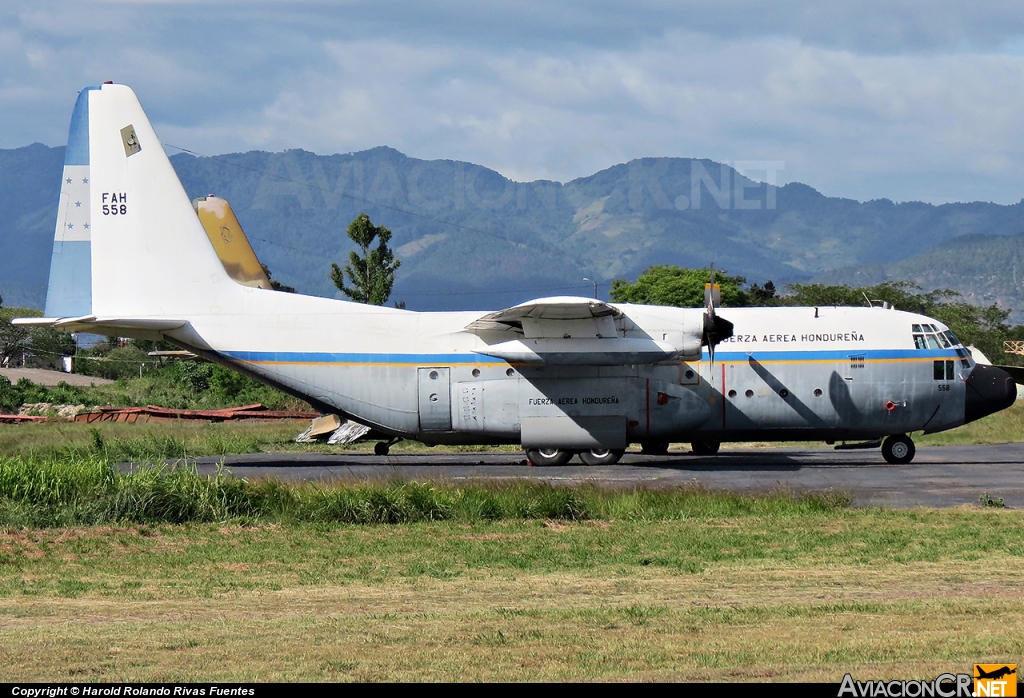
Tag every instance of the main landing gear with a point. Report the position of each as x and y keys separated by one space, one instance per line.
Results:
x=558 y=456
x=705 y=448
x=898 y=449
x=654 y=448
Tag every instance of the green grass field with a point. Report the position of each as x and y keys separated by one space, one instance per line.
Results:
x=172 y=577
x=777 y=596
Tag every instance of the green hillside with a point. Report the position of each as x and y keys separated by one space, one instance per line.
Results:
x=471 y=239
x=985 y=269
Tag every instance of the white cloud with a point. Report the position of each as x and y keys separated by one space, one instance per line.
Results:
x=864 y=99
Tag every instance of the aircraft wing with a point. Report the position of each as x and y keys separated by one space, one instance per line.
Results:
x=566 y=330
x=544 y=314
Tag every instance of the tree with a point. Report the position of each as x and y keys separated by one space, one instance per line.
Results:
x=274 y=284
x=903 y=295
x=985 y=328
x=370 y=271
x=664 y=284
x=763 y=295
x=14 y=339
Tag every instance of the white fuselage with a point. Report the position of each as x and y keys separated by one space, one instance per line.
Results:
x=833 y=373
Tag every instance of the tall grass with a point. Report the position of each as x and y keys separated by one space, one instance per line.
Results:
x=80 y=488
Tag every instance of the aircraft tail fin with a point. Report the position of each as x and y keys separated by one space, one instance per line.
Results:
x=128 y=243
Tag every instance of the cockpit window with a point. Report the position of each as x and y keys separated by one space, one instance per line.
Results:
x=928 y=336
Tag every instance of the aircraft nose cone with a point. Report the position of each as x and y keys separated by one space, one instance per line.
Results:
x=989 y=389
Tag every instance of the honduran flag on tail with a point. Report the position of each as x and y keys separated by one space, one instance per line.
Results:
x=69 y=293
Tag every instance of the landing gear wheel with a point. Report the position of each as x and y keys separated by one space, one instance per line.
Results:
x=898 y=449
x=705 y=448
x=382 y=448
x=601 y=456
x=654 y=448
x=548 y=456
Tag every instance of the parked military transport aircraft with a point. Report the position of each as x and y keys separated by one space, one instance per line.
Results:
x=558 y=375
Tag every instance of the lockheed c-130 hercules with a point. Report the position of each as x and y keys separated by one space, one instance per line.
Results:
x=560 y=376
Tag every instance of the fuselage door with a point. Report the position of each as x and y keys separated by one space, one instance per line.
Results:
x=434 y=399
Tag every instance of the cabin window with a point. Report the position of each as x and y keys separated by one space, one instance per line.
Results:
x=943 y=370
x=965 y=357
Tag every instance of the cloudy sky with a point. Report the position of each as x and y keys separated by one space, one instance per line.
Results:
x=869 y=99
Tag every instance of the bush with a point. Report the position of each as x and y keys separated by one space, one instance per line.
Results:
x=118 y=363
x=11 y=397
x=227 y=384
x=193 y=375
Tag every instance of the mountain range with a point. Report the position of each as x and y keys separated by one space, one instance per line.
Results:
x=470 y=238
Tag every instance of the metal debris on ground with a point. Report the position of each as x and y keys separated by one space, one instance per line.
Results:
x=333 y=429
x=153 y=413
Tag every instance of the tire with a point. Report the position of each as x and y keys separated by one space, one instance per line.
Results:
x=601 y=456
x=705 y=448
x=898 y=449
x=654 y=448
x=381 y=448
x=548 y=456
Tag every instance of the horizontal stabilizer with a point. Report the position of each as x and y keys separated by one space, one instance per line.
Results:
x=35 y=321
x=103 y=325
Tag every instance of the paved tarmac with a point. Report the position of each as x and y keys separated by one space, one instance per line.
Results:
x=939 y=476
x=42 y=376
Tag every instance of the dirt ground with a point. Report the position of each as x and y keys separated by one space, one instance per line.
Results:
x=41 y=376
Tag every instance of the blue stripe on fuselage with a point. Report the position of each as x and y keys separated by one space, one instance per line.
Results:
x=834 y=355
x=291 y=357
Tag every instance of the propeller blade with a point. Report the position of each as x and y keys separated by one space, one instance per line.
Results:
x=712 y=293
x=716 y=328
